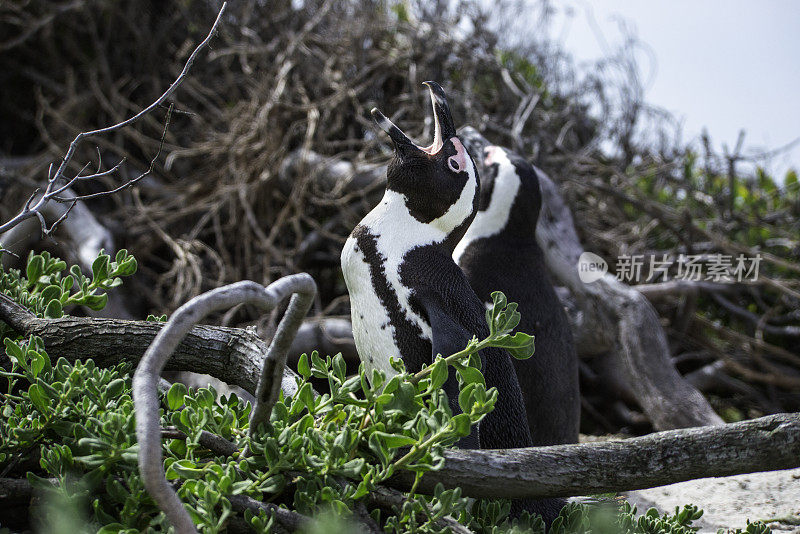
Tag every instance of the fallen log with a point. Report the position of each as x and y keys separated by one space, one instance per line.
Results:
x=233 y=355
x=765 y=444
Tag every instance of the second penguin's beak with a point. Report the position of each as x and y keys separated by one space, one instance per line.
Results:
x=443 y=127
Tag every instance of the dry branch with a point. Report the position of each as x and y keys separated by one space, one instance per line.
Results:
x=85 y=233
x=54 y=188
x=765 y=444
x=299 y=287
x=233 y=355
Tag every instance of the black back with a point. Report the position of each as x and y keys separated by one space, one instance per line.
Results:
x=512 y=262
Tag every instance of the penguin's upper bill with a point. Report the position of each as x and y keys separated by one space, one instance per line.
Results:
x=443 y=127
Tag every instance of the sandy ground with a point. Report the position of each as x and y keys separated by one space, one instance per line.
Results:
x=772 y=497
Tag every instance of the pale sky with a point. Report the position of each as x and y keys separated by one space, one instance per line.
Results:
x=723 y=64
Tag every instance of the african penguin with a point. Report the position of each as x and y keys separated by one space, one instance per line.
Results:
x=408 y=297
x=499 y=252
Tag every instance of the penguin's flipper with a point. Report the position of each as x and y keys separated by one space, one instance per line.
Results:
x=449 y=337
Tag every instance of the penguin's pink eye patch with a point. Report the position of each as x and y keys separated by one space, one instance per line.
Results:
x=490 y=154
x=458 y=161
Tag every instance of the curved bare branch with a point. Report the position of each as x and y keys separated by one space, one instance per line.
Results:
x=148 y=372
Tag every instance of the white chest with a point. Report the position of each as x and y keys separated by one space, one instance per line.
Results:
x=374 y=290
x=373 y=332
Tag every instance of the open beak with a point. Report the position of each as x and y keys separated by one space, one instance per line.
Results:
x=443 y=127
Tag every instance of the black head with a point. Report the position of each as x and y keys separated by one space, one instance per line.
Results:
x=438 y=183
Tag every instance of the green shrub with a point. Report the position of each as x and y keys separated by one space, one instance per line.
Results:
x=320 y=456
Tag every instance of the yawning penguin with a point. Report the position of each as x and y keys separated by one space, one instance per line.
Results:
x=408 y=298
x=499 y=252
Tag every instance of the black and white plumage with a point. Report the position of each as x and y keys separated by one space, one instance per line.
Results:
x=499 y=252
x=408 y=297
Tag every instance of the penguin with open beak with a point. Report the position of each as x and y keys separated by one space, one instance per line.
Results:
x=408 y=298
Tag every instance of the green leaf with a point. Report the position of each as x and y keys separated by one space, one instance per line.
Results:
x=185 y=469
x=339 y=367
x=520 y=346
x=57 y=266
x=392 y=441
x=379 y=448
x=392 y=385
x=353 y=468
x=175 y=395
x=51 y=292
x=438 y=373
x=76 y=273
x=126 y=268
x=38 y=362
x=95 y=302
x=470 y=375
x=404 y=400
x=13 y=350
x=499 y=300
x=302 y=366
x=498 y=303
x=461 y=424
x=35 y=268
x=115 y=388
x=466 y=397
x=204 y=398
x=100 y=267
x=39 y=397
x=54 y=309
x=306 y=396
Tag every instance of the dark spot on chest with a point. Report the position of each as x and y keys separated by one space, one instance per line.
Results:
x=407 y=334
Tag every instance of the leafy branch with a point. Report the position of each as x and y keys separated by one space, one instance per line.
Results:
x=502 y=319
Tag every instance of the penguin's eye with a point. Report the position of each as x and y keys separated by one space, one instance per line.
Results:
x=453 y=164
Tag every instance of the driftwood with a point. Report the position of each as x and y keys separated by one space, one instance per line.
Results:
x=607 y=316
x=765 y=444
x=233 y=355
x=300 y=287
